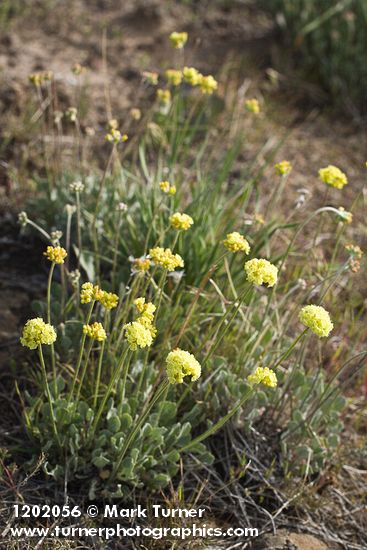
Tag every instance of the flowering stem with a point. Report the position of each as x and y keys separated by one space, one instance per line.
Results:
x=81 y=352
x=224 y=318
x=283 y=357
x=78 y=225
x=42 y=361
x=289 y=350
x=114 y=263
x=99 y=368
x=130 y=438
x=86 y=361
x=218 y=424
x=108 y=392
x=49 y=320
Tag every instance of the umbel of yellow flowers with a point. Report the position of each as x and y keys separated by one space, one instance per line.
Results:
x=178 y=39
x=137 y=335
x=36 y=332
x=182 y=222
x=165 y=258
x=260 y=271
x=283 y=168
x=90 y=292
x=141 y=333
x=55 y=254
x=253 y=106
x=333 y=176
x=317 y=319
x=263 y=375
x=180 y=363
x=95 y=331
x=235 y=242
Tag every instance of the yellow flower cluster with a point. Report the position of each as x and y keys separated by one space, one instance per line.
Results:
x=260 y=271
x=152 y=78
x=164 y=96
x=180 y=363
x=137 y=335
x=173 y=77
x=167 y=188
x=141 y=333
x=36 y=332
x=146 y=318
x=235 y=242
x=141 y=264
x=39 y=78
x=90 y=292
x=317 y=319
x=263 y=375
x=283 y=168
x=354 y=250
x=115 y=136
x=178 y=39
x=182 y=222
x=253 y=106
x=165 y=258
x=331 y=175
x=55 y=254
x=208 y=84
x=109 y=300
x=95 y=331
x=344 y=215
x=192 y=76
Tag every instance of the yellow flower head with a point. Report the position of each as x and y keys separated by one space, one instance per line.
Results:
x=165 y=258
x=345 y=216
x=331 y=175
x=173 y=77
x=208 y=84
x=55 y=254
x=146 y=308
x=235 y=242
x=317 y=319
x=180 y=363
x=137 y=335
x=263 y=375
x=115 y=136
x=109 y=300
x=95 y=331
x=151 y=78
x=283 y=168
x=182 y=222
x=192 y=76
x=135 y=113
x=36 y=332
x=260 y=271
x=178 y=39
x=141 y=264
x=164 y=96
x=90 y=292
x=253 y=106
x=165 y=186
x=354 y=250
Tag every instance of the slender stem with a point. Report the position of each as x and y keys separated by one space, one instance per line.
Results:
x=218 y=424
x=53 y=420
x=108 y=392
x=84 y=370
x=81 y=352
x=131 y=437
x=99 y=369
x=78 y=225
x=49 y=283
x=224 y=318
